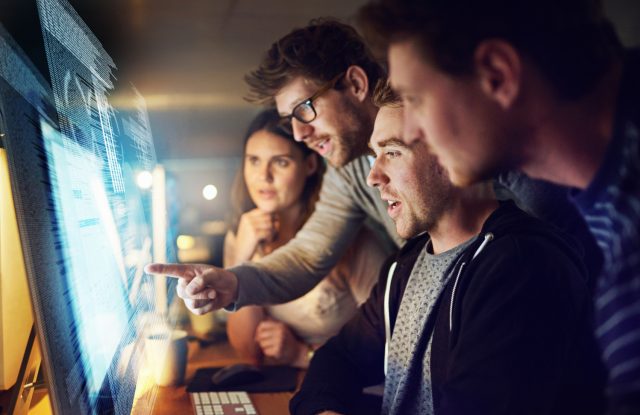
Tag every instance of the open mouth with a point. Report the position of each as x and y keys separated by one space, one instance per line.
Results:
x=393 y=206
x=323 y=146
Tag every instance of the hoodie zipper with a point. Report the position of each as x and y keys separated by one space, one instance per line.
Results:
x=488 y=237
x=386 y=304
x=387 y=316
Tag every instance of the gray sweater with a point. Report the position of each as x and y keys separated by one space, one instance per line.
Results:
x=345 y=204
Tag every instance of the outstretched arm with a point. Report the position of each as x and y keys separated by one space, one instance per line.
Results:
x=292 y=270
x=203 y=288
x=295 y=268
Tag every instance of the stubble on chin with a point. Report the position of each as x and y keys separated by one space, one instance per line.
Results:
x=339 y=155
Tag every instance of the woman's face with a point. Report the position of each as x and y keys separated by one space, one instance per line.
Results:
x=275 y=171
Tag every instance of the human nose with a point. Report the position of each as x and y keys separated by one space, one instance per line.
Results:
x=266 y=172
x=301 y=131
x=376 y=176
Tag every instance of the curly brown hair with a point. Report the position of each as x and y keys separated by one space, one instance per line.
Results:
x=318 y=52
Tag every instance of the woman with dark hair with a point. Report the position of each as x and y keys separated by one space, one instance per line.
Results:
x=273 y=196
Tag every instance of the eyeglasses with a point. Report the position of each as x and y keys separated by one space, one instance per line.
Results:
x=304 y=111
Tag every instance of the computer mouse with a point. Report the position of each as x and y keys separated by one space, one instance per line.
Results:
x=237 y=375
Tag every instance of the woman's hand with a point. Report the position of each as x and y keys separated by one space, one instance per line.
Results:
x=278 y=342
x=255 y=227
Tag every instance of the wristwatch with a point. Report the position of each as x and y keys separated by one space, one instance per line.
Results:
x=310 y=352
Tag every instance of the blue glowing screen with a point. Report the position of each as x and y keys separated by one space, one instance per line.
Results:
x=91 y=247
x=85 y=222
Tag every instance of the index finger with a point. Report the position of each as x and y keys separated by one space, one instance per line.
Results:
x=172 y=270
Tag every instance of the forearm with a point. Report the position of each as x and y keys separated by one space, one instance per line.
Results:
x=241 y=328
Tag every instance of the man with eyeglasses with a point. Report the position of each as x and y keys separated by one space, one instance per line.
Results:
x=321 y=78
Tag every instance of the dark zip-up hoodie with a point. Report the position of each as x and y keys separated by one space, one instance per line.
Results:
x=512 y=331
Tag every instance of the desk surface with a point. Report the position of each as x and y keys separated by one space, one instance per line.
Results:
x=175 y=400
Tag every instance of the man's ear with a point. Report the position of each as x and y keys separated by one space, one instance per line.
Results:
x=312 y=164
x=498 y=66
x=356 y=81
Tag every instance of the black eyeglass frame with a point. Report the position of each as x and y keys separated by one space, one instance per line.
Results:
x=309 y=103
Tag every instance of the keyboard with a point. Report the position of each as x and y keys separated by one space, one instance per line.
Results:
x=222 y=403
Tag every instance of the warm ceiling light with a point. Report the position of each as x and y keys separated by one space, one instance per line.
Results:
x=210 y=192
x=185 y=242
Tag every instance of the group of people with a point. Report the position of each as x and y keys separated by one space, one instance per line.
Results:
x=500 y=155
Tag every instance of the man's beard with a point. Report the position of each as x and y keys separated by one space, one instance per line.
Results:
x=352 y=143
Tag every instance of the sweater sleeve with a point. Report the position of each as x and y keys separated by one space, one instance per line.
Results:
x=346 y=363
x=295 y=268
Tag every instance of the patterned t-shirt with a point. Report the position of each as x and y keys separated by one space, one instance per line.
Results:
x=611 y=208
x=407 y=386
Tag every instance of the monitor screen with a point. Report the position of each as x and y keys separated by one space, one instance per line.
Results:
x=84 y=221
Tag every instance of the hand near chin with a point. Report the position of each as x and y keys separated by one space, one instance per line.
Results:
x=256 y=226
x=278 y=342
x=203 y=288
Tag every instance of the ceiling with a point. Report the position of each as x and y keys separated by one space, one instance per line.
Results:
x=188 y=59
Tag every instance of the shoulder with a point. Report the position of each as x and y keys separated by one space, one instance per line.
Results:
x=229 y=239
x=526 y=267
x=527 y=245
x=354 y=172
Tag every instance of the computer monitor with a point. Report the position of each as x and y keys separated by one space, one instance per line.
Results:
x=20 y=88
x=19 y=352
x=84 y=223
x=16 y=319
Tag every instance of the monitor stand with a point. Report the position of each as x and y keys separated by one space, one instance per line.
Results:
x=18 y=399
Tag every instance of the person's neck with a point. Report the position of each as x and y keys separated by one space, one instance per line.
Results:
x=571 y=138
x=290 y=220
x=463 y=219
x=368 y=119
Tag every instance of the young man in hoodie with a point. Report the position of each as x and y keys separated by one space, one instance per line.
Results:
x=488 y=313
x=543 y=87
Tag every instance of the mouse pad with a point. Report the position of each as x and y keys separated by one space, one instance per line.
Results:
x=276 y=379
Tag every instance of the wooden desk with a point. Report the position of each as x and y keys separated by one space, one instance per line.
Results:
x=175 y=400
